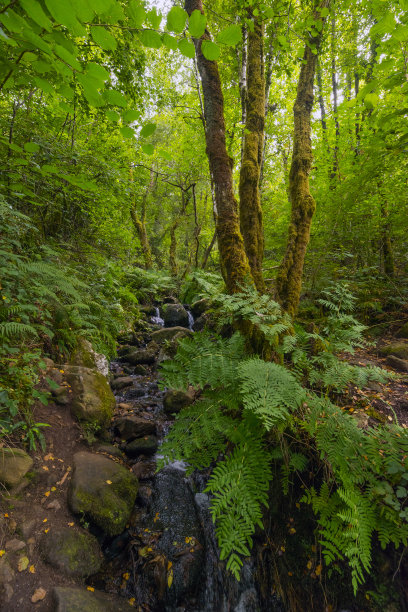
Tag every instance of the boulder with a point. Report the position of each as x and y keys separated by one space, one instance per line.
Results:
x=147 y=355
x=175 y=315
x=175 y=400
x=403 y=331
x=399 y=350
x=74 y=553
x=149 y=310
x=166 y=334
x=142 y=446
x=401 y=365
x=102 y=490
x=92 y=398
x=200 y=323
x=14 y=465
x=122 y=382
x=70 y=599
x=140 y=370
x=130 y=427
x=85 y=356
x=199 y=307
x=169 y=299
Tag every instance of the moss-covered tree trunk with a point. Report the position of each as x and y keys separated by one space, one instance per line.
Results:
x=234 y=262
x=139 y=223
x=250 y=209
x=289 y=278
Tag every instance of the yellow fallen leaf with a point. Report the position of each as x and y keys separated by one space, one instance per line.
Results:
x=45 y=468
x=88 y=588
x=170 y=578
x=70 y=524
x=126 y=576
x=46 y=530
x=23 y=564
x=2 y=552
x=108 y=482
x=47 y=493
x=6 y=515
x=49 y=457
x=309 y=565
x=292 y=530
x=187 y=540
x=169 y=565
x=290 y=573
x=45 y=520
x=62 y=371
x=53 y=488
x=318 y=570
x=31 y=569
x=131 y=601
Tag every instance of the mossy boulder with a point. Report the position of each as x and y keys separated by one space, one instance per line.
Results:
x=70 y=599
x=399 y=350
x=92 y=398
x=142 y=446
x=175 y=315
x=85 y=356
x=103 y=491
x=175 y=400
x=140 y=356
x=403 y=331
x=74 y=553
x=200 y=306
x=14 y=465
x=168 y=333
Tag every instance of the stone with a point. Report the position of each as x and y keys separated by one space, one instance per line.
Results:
x=148 y=310
x=130 y=427
x=109 y=449
x=74 y=553
x=175 y=315
x=144 y=470
x=102 y=490
x=14 y=465
x=27 y=528
x=167 y=333
x=61 y=395
x=147 y=355
x=399 y=350
x=38 y=595
x=371 y=385
x=122 y=382
x=200 y=323
x=403 y=331
x=14 y=545
x=140 y=370
x=401 y=365
x=175 y=400
x=142 y=446
x=6 y=572
x=84 y=355
x=169 y=299
x=54 y=505
x=70 y=599
x=92 y=397
x=199 y=307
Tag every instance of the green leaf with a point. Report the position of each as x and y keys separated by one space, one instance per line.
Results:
x=67 y=57
x=44 y=85
x=210 y=50
x=126 y=131
x=115 y=14
x=62 y=13
x=197 y=24
x=90 y=89
x=154 y=18
x=148 y=129
x=103 y=38
x=67 y=92
x=97 y=72
x=148 y=149
x=31 y=147
x=42 y=67
x=13 y=22
x=324 y=11
x=130 y=115
x=7 y=39
x=165 y=155
x=136 y=12
x=176 y=19
x=100 y=6
x=230 y=36
x=404 y=4
x=83 y=10
x=37 y=41
x=186 y=48
x=401 y=33
x=371 y=100
x=150 y=38
x=170 y=42
x=35 y=11
x=115 y=98
x=112 y=115
x=50 y=169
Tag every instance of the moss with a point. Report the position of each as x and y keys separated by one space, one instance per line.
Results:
x=398 y=350
x=73 y=552
x=375 y=414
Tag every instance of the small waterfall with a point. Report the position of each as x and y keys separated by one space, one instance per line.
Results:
x=157 y=320
x=190 y=320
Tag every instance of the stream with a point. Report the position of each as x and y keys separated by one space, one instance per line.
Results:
x=167 y=560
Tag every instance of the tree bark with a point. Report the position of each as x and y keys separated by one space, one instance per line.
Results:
x=251 y=221
x=208 y=251
x=140 y=222
x=289 y=279
x=335 y=103
x=234 y=262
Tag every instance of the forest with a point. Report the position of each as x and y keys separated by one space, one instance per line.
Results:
x=204 y=305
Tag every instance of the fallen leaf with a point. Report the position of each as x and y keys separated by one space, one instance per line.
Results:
x=23 y=564
x=47 y=493
x=126 y=576
x=309 y=565
x=45 y=468
x=70 y=524
x=88 y=588
x=170 y=578
x=39 y=595
x=318 y=570
x=31 y=569
x=53 y=488
x=169 y=565
x=108 y=482
x=45 y=520
x=131 y=601
x=46 y=530
x=2 y=552
x=48 y=457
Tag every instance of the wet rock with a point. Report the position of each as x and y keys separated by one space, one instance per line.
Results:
x=199 y=307
x=147 y=355
x=144 y=470
x=122 y=382
x=14 y=465
x=167 y=333
x=175 y=315
x=125 y=350
x=102 y=490
x=74 y=553
x=129 y=427
x=144 y=497
x=92 y=398
x=148 y=310
x=175 y=400
x=135 y=392
x=84 y=355
x=69 y=599
x=401 y=365
x=399 y=350
x=142 y=446
x=200 y=323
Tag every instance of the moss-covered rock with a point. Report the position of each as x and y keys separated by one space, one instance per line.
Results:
x=69 y=599
x=399 y=350
x=142 y=446
x=92 y=397
x=175 y=315
x=85 y=356
x=75 y=553
x=103 y=491
x=175 y=400
x=14 y=465
x=403 y=332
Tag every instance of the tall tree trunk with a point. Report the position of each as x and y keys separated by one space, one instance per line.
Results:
x=289 y=279
x=251 y=221
x=322 y=105
x=173 y=249
x=335 y=103
x=140 y=222
x=234 y=262
x=208 y=251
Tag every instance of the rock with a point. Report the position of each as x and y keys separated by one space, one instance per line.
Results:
x=147 y=355
x=38 y=595
x=92 y=398
x=74 y=553
x=148 y=310
x=27 y=528
x=166 y=334
x=61 y=395
x=142 y=446
x=122 y=382
x=144 y=470
x=403 y=331
x=401 y=365
x=175 y=400
x=124 y=350
x=399 y=350
x=6 y=575
x=140 y=370
x=130 y=427
x=54 y=505
x=169 y=299
x=199 y=307
x=14 y=545
x=109 y=449
x=85 y=356
x=14 y=465
x=90 y=492
x=371 y=385
x=200 y=323
x=69 y=599
x=175 y=315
